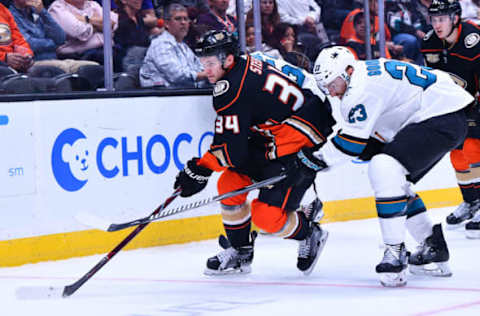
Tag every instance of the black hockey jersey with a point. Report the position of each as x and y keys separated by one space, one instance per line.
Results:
x=461 y=59
x=263 y=115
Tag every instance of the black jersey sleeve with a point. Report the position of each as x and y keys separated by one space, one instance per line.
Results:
x=230 y=141
x=314 y=119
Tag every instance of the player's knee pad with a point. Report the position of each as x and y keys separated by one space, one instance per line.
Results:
x=269 y=218
x=458 y=160
x=471 y=150
x=236 y=216
x=387 y=176
x=229 y=181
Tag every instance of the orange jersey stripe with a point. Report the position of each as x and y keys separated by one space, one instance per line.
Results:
x=391 y=202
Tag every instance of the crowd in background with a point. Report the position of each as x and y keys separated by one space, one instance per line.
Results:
x=54 y=45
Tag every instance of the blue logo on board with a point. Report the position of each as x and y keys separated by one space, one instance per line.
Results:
x=3 y=119
x=70 y=159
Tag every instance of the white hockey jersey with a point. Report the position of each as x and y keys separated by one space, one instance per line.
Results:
x=384 y=96
x=301 y=77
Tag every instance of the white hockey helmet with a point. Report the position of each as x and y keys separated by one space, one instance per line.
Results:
x=332 y=62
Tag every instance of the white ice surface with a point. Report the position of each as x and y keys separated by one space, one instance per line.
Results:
x=169 y=281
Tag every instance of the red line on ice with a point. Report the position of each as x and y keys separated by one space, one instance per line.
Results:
x=256 y=283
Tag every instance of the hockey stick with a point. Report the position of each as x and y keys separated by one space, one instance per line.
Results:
x=66 y=291
x=99 y=223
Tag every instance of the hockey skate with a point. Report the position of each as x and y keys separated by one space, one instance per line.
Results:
x=462 y=213
x=431 y=256
x=472 y=229
x=313 y=211
x=393 y=267
x=231 y=260
x=310 y=248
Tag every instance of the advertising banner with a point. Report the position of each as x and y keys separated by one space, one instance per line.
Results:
x=118 y=158
x=17 y=174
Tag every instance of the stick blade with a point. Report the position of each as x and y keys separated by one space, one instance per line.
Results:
x=39 y=292
x=93 y=221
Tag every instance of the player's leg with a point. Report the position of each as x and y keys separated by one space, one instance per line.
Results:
x=238 y=253
x=465 y=162
x=277 y=211
x=432 y=255
x=387 y=177
x=472 y=152
x=418 y=147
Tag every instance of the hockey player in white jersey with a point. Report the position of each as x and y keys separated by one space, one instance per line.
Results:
x=404 y=118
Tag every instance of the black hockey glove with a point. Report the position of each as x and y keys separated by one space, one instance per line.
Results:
x=192 y=179
x=374 y=146
x=304 y=165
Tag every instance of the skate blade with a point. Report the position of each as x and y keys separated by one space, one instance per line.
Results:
x=393 y=279
x=230 y=271
x=472 y=234
x=322 y=241
x=435 y=269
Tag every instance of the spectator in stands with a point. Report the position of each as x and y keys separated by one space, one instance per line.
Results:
x=357 y=43
x=250 y=43
x=303 y=13
x=305 y=16
x=284 y=39
x=232 y=7
x=194 y=7
x=471 y=10
x=348 y=30
x=269 y=15
x=14 y=50
x=169 y=61
x=82 y=21
x=334 y=13
x=406 y=26
x=147 y=12
x=43 y=35
x=420 y=7
x=217 y=18
x=132 y=36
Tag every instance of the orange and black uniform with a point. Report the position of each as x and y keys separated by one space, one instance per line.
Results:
x=263 y=118
x=462 y=58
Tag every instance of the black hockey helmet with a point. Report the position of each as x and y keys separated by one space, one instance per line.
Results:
x=217 y=43
x=445 y=7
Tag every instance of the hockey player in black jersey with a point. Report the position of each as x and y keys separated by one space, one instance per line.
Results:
x=454 y=46
x=263 y=120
